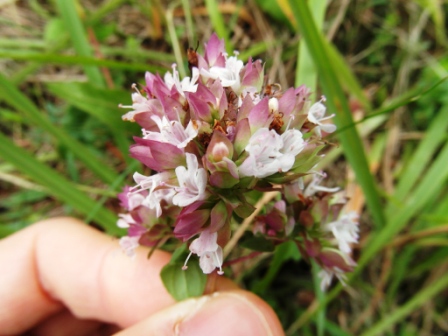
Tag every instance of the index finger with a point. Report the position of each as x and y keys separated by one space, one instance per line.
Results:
x=62 y=262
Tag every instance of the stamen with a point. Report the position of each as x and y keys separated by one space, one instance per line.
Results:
x=125 y=106
x=184 y=267
x=220 y=272
x=291 y=118
x=134 y=87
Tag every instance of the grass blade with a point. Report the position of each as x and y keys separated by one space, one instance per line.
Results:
x=338 y=103
x=218 y=23
x=417 y=301
x=306 y=71
x=434 y=136
x=73 y=24
x=56 y=185
x=49 y=58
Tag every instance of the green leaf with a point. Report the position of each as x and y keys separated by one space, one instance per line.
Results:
x=178 y=253
x=183 y=284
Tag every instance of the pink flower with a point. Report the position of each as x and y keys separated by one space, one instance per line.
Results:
x=186 y=85
x=153 y=154
x=208 y=251
x=214 y=51
x=229 y=75
x=140 y=104
x=158 y=187
x=171 y=132
x=333 y=263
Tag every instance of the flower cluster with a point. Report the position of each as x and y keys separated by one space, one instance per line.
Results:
x=217 y=140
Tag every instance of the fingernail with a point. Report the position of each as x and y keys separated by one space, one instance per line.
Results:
x=231 y=313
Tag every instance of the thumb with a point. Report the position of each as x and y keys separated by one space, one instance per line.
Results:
x=233 y=313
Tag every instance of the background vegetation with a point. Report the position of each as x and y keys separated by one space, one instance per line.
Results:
x=66 y=65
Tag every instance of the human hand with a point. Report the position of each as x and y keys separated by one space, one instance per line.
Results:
x=61 y=277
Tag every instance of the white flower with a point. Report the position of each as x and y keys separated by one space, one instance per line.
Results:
x=139 y=104
x=158 y=190
x=270 y=153
x=208 y=251
x=171 y=131
x=327 y=274
x=228 y=76
x=125 y=220
x=192 y=182
x=345 y=231
x=316 y=115
x=292 y=142
x=129 y=244
x=186 y=85
x=314 y=186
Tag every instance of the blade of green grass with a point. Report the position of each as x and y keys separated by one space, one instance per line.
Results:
x=346 y=77
x=338 y=103
x=418 y=300
x=434 y=137
x=432 y=182
x=73 y=24
x=24 y=72
x=106 y=7
x=169 y=16
x=57 y=185
x=15 y=98
x=77 y=60
x=22 y=43
x=191 y=32
x=306 y=72
x=406 y=98
x=218 y=23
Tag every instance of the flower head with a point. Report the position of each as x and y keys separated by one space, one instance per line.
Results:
x=218 y=139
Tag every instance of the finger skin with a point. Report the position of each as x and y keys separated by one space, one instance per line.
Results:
x=236 y=313
x=63 y=262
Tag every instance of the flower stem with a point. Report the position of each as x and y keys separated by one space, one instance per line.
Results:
x=267 y=197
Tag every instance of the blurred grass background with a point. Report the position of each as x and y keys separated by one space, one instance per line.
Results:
x=65 y=65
